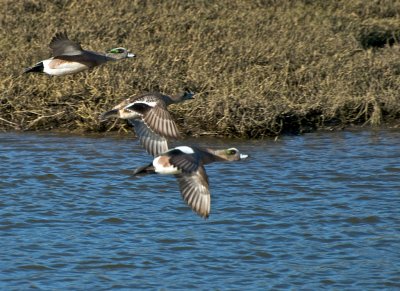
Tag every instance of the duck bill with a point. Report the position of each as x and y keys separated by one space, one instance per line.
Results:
x=242 y=156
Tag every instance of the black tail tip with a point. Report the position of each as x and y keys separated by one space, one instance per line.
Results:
x=148 y=169
x=38 y=68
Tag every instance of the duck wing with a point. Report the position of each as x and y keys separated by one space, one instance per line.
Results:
x=195 y=192
x=153 y=143
x=187 y=163
x=156 y=117
x=61 y=45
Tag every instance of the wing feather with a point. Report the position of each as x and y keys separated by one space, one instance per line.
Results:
x=160 y=120
x=61 y=45
x=155 y=114
x=188 y=163
x=153 y=143
x=194 y=190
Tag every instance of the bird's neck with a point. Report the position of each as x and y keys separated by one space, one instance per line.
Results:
x=210 y=156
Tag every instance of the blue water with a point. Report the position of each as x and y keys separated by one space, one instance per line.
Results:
x=311 y=212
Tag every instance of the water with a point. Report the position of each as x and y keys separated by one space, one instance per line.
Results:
x=318 y=211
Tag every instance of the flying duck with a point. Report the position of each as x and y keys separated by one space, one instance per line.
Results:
x=68 y=57
x=149 y=116
x=187 y=164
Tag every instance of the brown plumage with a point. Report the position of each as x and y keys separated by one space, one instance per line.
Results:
x=149 y=116
x=187 y=164
x=68 y=57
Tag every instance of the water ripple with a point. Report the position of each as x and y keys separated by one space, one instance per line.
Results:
x=318 y=211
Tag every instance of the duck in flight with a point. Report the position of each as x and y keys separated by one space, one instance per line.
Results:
x=187 y=164
x=68 y=57
x=150 y=118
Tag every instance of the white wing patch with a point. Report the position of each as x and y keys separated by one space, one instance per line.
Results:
x=185 y=149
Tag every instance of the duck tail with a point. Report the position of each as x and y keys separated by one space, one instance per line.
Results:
x=38 y=68
x=144 y=170
x=108 y=114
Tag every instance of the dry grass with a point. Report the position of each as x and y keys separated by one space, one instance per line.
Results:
x=259 y=67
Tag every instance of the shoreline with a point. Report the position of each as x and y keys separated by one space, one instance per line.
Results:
x=392 y=125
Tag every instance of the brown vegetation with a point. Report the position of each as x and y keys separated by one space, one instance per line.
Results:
x=260 y=67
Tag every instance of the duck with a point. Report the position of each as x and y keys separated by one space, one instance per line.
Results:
x=149 y=116
x=68 y=57
x=187 y=164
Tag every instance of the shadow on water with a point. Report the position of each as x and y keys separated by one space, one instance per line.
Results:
x=313 y=211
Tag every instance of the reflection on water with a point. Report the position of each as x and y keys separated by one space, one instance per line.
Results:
x=314 y=211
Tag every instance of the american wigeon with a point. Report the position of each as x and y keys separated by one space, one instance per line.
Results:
x=187 y=164
x=149 y=116
x=69 y=57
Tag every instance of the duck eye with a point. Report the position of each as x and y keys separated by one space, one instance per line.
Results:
x=231 y=152
x=116 y=51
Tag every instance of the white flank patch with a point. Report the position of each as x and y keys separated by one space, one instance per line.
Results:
x=185 y=149
x=167 y=170
x=63 y=68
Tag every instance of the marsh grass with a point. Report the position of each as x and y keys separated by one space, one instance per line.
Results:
x=260 y=68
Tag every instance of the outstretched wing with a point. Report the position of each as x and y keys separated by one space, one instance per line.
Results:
x=157 y=118
x=153 y=143
x=61 y=45
x=194 y=190
x=187 y=163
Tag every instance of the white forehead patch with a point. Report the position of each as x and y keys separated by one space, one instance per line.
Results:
x=185 y=149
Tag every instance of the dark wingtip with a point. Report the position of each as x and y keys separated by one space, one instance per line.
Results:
x=59 y=35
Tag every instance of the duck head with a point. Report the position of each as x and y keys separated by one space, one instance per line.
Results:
x=119 y=53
